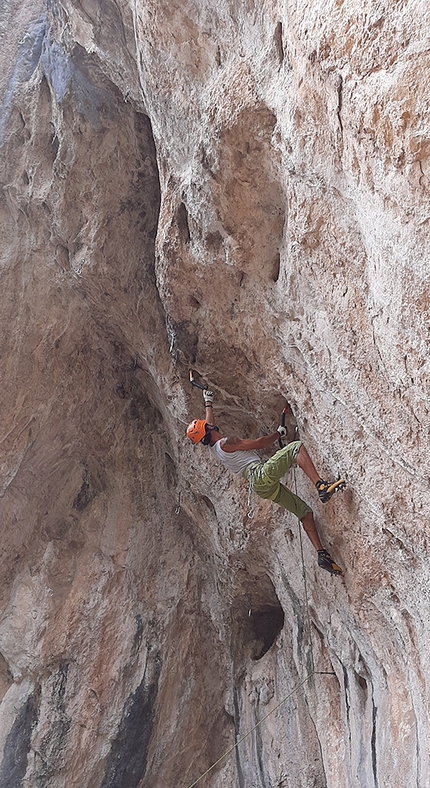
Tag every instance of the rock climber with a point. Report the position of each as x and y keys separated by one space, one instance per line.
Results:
x=240 y=457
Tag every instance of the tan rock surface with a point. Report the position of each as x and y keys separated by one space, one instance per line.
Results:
x=243 y=190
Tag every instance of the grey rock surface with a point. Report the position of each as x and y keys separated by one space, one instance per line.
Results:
x=243 y=190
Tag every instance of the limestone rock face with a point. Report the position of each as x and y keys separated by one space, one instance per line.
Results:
x=241 y=189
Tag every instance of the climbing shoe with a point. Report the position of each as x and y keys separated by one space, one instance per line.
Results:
x=327 y=489
x=326 y=562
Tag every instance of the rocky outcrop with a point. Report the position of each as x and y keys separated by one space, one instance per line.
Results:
x=242 y=190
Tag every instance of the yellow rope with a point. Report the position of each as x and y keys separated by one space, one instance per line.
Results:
x=308 y=618
x=236 y=744
x=297 y=687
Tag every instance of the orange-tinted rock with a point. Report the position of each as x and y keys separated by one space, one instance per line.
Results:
x=243 y=191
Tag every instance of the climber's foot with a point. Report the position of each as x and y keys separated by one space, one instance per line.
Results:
x=327 y=489
x=326 y=562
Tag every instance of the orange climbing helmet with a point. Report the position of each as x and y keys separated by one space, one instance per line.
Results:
x=196 y=430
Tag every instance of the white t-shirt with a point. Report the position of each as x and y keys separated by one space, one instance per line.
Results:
x=235 y=461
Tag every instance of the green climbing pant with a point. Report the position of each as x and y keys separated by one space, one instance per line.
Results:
x=264 y=480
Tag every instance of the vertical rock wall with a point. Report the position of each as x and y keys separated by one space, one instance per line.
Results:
x=243 y=190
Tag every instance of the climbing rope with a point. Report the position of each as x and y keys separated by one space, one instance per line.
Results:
x=245 y=736
x=308 y=617
x=312 y=673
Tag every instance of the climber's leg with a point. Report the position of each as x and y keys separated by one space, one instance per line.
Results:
x=325 y=489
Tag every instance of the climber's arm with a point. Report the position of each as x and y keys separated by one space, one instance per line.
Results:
x=209 y=413
x=237 y=444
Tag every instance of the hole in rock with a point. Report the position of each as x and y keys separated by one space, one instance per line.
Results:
x=266 y=624
x=182 y=222
x=193 y=302
x=257 y=618
x=209 y=505
x=362 y=683
x=276 y=267
x=278 y=42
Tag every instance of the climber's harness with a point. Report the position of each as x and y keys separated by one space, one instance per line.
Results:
x=250 y=471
